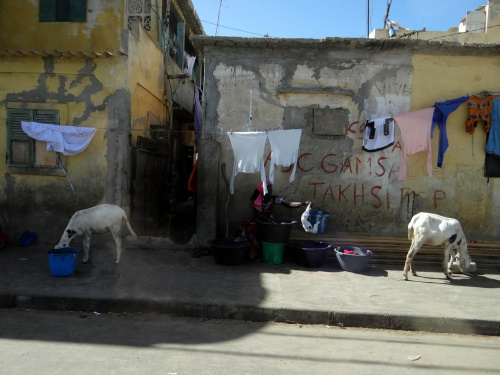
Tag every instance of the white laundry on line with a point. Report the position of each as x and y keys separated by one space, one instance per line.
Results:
x=284 y=150
x=379 y=134
x=248 y=148
x=68 y=140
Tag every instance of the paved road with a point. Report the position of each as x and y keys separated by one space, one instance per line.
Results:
x=42 y=342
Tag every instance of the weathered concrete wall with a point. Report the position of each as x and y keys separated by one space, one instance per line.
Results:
x=294 y=81
x=208 y=186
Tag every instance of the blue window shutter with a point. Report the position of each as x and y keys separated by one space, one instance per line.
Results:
x=78 y=10
x=180 y=38
x=47 y=11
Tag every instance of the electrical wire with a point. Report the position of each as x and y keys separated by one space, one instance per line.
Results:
x=460 y=33
x=226 y=27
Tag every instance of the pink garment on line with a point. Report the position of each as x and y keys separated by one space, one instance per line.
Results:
x=416 y=136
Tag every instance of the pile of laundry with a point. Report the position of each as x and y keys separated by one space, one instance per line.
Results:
x=351 y=252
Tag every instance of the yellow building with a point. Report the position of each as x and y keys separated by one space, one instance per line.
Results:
x=119 y=66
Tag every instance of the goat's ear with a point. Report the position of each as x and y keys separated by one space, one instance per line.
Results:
x=70 y=232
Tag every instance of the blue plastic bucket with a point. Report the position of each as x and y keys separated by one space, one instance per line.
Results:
x=321 y=217
x=62 y=262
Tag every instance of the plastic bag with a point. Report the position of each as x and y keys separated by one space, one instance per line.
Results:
x=308 y=227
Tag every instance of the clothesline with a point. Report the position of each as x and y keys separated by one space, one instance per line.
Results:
x=248 y=148
x=417 y=128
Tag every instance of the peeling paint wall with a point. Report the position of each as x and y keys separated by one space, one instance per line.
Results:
x=75 y=88
x=146 y=84
x=120 y=95
x=101 y=31
x=292 y=82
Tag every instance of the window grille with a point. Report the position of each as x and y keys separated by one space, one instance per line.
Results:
x=139 y=11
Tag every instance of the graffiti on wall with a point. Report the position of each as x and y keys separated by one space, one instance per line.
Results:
x=374 y=172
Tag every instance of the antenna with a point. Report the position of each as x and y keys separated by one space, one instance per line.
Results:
x=389 y=2
x=218 y=18
x=367 y=18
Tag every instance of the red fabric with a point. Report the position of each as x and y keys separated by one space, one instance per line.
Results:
x=257 y=203
x=3 y=236
x=350 y=252
x=248 y=229
x=193 y=179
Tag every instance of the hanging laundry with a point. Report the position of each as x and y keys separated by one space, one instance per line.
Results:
x=189 y=63
x=492 y=159
x=248 y=148
x=493 y=144
x=379 y=134
x=284 y=150
x=479 y=110
x=198 y=114
x=443 y=110
x=415 y=130
x=69 y=140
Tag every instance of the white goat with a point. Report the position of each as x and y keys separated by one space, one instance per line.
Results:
x=437 y=230
x=98 y=219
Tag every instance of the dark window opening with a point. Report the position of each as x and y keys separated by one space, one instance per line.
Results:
x=62 y=11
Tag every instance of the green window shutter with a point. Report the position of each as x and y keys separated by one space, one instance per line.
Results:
x=78 y=10
x=47 y=11
x=15 y=132
x=46 y=117
x=63 y=12
x=18 y=140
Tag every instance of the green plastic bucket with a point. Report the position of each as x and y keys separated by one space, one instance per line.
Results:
x=272 y=253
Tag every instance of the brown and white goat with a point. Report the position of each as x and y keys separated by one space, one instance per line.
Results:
x=434 y=229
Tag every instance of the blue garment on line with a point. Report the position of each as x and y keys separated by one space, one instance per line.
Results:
x=493 y=144
x=441 y=113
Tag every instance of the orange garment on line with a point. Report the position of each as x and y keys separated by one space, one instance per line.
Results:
x=193 y=179
x=479 y=110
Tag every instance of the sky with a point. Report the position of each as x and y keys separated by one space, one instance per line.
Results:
x=318 y=19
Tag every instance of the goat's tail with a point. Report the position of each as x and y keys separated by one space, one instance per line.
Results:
x=129 y=227
x=410 y=232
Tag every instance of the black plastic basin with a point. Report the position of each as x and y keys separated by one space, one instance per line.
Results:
x=311 y=254
x=229 y=253
x=275 y=232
